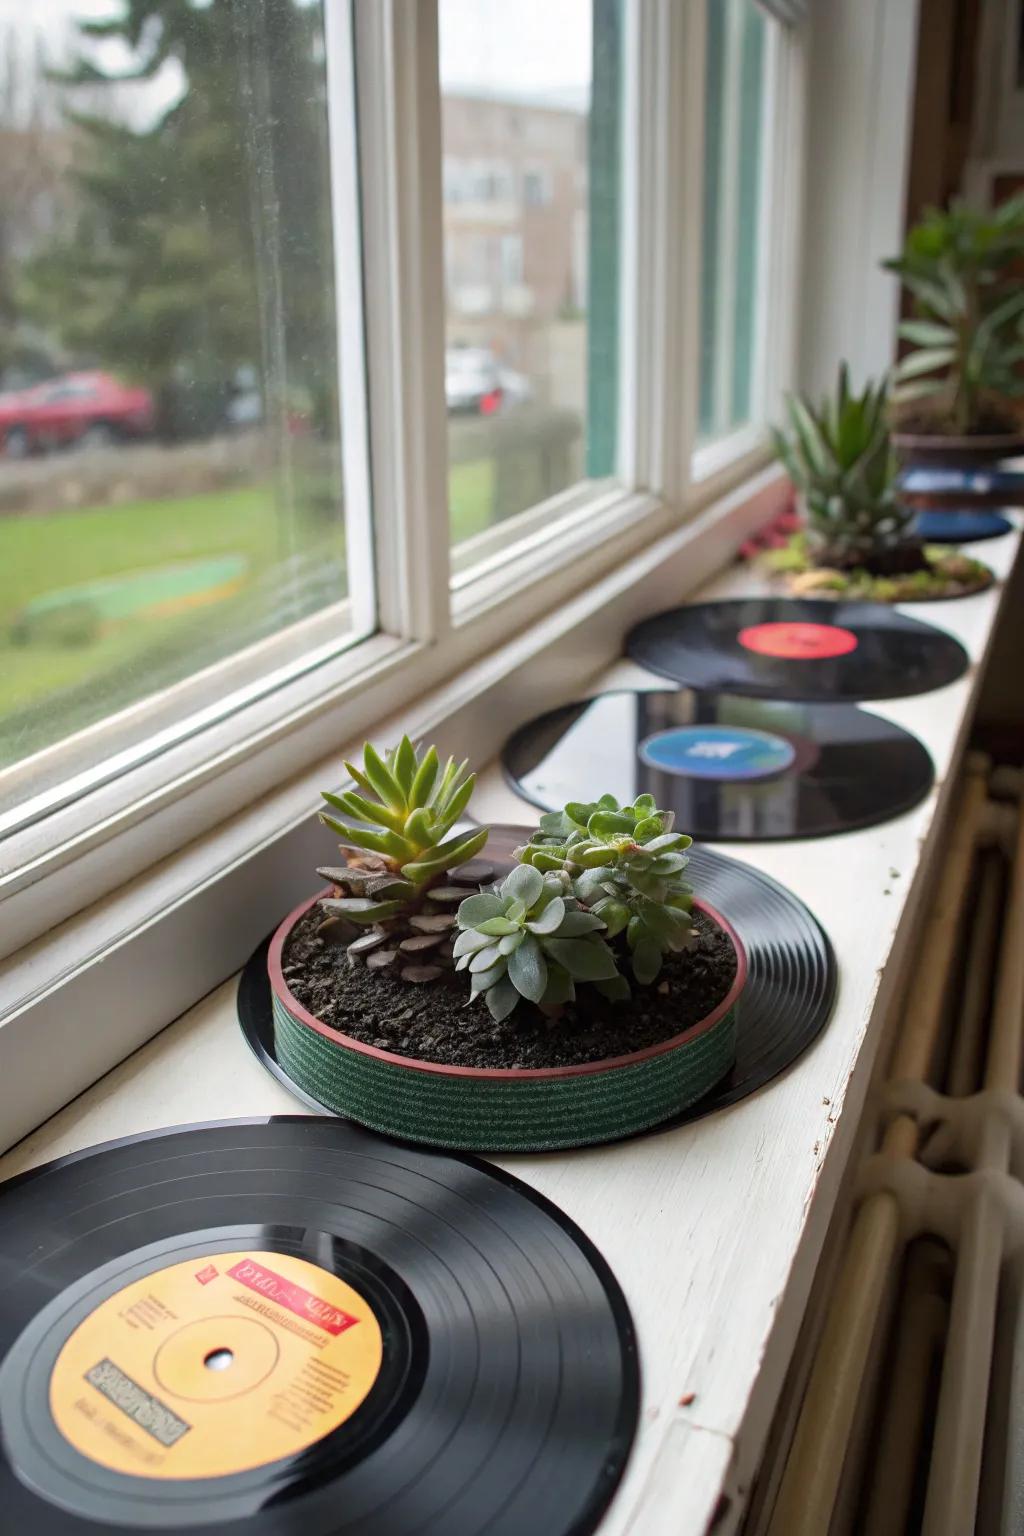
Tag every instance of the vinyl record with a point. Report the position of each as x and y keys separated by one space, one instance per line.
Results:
x=731 y=768
x=304 y=1328
x=952 y=487
x=786 y=1003
x=796 y=648
x=951 y=525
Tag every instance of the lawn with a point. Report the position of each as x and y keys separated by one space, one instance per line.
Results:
x=52 y=684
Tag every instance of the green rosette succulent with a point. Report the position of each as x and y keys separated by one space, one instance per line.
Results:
x=624 y=863
x=398 y=819
x=530 y=938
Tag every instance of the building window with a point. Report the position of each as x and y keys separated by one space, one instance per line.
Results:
x=732 y=301
x=537 y=189
x=521 y=345
x=171 y=485
x=511 y=261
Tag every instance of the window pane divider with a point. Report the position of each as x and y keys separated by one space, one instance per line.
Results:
x=782 y=203
x=400 y=173
x=662 y=155
x=348 y=283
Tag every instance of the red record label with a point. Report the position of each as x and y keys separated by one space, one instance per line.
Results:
x=798 y=642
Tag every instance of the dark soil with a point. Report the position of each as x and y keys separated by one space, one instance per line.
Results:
x=435 y=1021
x=900 y=559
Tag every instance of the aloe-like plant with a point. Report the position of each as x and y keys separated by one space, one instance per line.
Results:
x=625 y=866
x=840 y=457
x=958 y=264
x=397 y=823
x=530 y=938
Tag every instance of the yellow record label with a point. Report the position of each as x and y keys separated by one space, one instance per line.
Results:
x=217 y=1365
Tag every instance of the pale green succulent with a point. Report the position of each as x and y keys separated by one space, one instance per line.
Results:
x=961 y=265
x=398 y=817
x=625 y=865
x=530 y=938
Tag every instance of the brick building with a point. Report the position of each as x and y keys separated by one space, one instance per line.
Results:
x=515 y=219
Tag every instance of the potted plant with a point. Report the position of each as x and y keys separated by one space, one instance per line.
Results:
x=962 y=269
x=587 y=995
x=858 y=540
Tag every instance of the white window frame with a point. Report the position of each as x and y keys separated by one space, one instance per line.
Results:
x=780 y=245
x=96 y=870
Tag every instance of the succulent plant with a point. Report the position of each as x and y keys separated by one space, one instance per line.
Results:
x=399 y=818
x=530 y=938
x=624 y=863
x=841 y=458
x=961 y=265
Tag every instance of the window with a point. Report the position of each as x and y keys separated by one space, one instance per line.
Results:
x=171 y=486
x=732 y=300
x=260 y=257
x=256 y=258
x=532 y=343
x=511 y=264
x=537 y=190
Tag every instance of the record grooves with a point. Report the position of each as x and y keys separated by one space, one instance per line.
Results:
x=450 y=1352
x=790 y=991
x=798 y=648
x=729 y=767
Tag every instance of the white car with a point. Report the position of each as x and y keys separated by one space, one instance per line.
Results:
x=475 y=383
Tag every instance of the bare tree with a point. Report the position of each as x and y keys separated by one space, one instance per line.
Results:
x=35 y=152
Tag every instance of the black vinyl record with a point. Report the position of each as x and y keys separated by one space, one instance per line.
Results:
x=952 y=525
x=418 y=1343
x=786 y=1003
x=947 y=486
x=798 y=648
x=731 y=768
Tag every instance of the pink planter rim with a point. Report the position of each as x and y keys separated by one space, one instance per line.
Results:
x=280 y=989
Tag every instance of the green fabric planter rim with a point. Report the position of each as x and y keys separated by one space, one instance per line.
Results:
x=301 y=1015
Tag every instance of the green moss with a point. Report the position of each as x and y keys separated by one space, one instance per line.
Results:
x=949 y=574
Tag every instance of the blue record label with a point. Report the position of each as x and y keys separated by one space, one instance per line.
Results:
x=725 y=753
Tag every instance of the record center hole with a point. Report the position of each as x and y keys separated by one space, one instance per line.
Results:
x=219 y=1359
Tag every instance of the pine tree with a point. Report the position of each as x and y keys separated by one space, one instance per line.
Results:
x=202 y=242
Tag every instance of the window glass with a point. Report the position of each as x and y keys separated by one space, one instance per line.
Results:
x=170 y=470
x=530 y=119
x=731 y=235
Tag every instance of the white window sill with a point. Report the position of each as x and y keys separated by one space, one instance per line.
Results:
x=677 y=1215
x=722 y=462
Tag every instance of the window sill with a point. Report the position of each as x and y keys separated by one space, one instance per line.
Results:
x=477 y=556
x=727 y=1350
x=716 y=467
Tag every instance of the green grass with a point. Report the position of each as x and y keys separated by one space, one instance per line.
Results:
x=43 y=554
x=470 y=498
x=48 y=689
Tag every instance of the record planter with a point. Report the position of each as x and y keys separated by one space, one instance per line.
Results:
x=857 y=541
x=586 y=995
x=961 y=267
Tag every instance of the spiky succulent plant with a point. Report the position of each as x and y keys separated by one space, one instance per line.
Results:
x=530 y=938
x=840 y=457
x=398 y=820
x=625 y=864
x=961 y=265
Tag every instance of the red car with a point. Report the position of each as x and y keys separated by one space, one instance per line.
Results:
x=90 y=409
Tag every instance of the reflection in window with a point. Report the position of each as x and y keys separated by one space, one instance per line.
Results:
x=730 y=297
x=530 y=119
x=170 y=474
